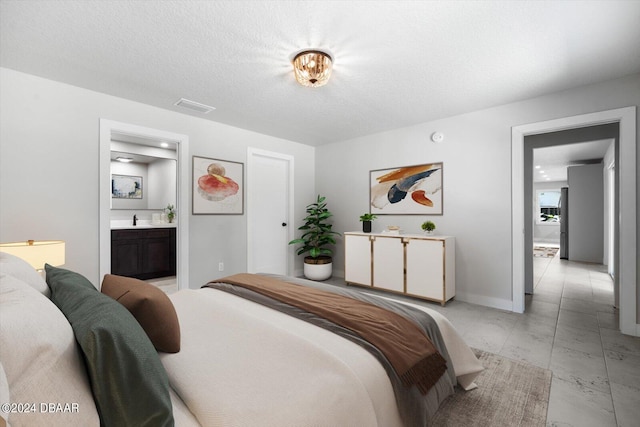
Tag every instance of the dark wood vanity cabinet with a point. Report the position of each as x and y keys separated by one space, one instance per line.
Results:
x=143 y=254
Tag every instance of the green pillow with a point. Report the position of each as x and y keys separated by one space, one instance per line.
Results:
x=129 y=383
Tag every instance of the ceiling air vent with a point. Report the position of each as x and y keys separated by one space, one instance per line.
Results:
x=194 y=106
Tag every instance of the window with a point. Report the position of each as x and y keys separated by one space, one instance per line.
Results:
x=548 y=206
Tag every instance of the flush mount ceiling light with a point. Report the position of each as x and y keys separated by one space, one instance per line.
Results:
x=312 y=68
x=124 y=159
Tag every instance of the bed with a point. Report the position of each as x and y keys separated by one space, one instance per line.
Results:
x=238 y=361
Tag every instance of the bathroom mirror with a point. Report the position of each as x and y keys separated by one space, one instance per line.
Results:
x=143 y=175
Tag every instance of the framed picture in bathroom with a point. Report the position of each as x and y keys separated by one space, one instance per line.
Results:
x=218 y=187
x=126 y=187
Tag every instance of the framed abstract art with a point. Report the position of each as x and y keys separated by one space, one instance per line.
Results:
x=218 y=187
x=126 y=187
x=406 y=190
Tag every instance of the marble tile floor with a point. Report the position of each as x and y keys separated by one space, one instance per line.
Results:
x=168 y=285
x=570 y=327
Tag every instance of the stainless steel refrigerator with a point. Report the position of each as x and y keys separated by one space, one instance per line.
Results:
x=564 y=223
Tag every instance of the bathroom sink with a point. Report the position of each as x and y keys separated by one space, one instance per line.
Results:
x=128 y=224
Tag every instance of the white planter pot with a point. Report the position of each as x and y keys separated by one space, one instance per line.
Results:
x=318 y=271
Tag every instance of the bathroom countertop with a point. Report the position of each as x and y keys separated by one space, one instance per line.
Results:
x=127 y=225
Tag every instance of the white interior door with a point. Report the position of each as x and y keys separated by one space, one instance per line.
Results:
x=269 y=206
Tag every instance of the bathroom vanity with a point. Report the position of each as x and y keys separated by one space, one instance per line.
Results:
x=143 y=252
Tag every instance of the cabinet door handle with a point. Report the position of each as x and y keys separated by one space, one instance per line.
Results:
x=284 y=224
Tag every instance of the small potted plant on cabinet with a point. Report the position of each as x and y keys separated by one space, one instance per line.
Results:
x=428 y=227
x=171 y=212
x=366 y=219
x=317 y=235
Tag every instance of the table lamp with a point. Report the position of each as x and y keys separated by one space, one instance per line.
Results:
x=37 y=253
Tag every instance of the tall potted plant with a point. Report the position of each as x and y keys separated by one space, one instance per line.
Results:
x=316 y=237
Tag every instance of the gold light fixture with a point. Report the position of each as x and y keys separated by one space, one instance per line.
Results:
x=312 y=68
x=37 y=253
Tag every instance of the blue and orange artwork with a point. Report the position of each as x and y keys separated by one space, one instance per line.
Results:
x=407 y=190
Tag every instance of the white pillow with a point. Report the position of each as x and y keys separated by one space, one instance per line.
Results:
x=4 y=395
x=41 y=359
x=20 y=269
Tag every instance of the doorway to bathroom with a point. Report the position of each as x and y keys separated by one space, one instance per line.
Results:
x=136 y=135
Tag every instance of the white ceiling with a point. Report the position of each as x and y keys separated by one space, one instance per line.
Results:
x=397 y=63
x=550 y=163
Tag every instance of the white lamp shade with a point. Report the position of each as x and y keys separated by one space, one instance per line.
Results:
x=37 y=253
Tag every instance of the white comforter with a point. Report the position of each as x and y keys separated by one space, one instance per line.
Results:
x=242 y=364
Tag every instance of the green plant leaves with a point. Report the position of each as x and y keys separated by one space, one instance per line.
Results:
x=317 y=233
x=367 y=217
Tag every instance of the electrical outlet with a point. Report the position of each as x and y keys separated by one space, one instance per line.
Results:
x=221 y=266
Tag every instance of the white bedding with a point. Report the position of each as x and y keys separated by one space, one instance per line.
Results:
x=242 y=364
x=181 y=414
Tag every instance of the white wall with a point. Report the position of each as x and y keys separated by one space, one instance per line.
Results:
x=586 y=213
x=51 y=129
x=476 y=153
x=476 y=194
x=161 y=183
x=49 y=166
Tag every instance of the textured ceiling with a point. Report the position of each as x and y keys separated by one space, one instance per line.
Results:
x=397 y=63
x=551 y=162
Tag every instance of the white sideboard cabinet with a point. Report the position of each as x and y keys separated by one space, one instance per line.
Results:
x=411 y=264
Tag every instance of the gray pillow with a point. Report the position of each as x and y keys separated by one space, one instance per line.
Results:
x=129 y=383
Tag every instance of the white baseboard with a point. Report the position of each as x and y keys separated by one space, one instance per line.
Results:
x=298 y=273
x=499 y=303
x=551 y=241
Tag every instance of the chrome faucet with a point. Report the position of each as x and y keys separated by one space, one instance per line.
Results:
x=135 y=219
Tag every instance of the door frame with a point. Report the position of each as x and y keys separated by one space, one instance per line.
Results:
x=608 y=132
x=182 y=184
x=626 y=117
x=252 y=153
